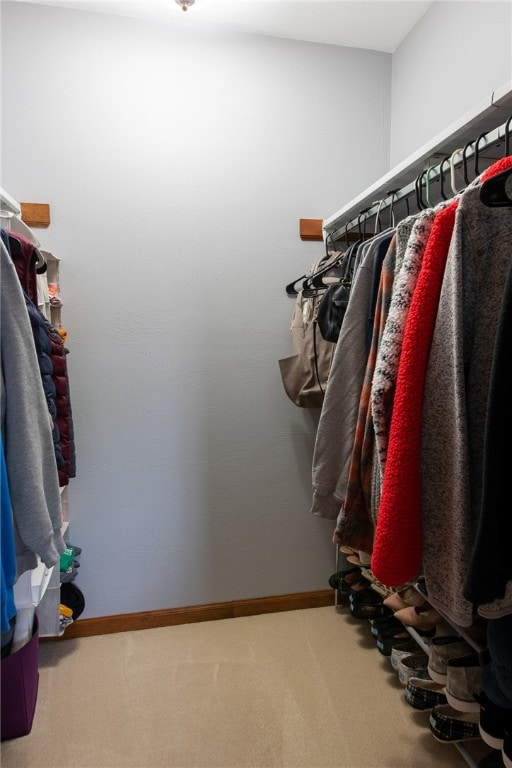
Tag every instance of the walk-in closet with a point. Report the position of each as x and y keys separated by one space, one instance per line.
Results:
x=255 y=301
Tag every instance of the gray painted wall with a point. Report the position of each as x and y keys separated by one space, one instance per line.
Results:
x=455 y=57
x=177 y=167
x=177 y=164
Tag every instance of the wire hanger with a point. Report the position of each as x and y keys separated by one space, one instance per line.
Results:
x=377 y=217
x=452 y=171
x=427 y=185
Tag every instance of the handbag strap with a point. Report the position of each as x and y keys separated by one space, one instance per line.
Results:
x=316 y=356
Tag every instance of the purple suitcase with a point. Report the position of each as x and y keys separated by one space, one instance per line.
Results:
x=18 y=688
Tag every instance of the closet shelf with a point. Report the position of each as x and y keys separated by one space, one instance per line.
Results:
x=8 y=203
x=483 y=118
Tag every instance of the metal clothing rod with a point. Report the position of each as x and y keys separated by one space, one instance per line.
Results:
x=457 y=159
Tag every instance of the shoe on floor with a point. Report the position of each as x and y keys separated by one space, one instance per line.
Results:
x=362 y=559
x=411 y=596
x=463 y=683
x=493 y=721
x=506 y=750
x=384 y=622
x=401 y=648
x=388 y=637
x=405 y=598
x=395 y=602
x=414 y=665
x=422 y=617
x=367 y=595
x=424 y=694
x=346 y=576
x=450 y=725
x=368 y=609
x=442 y=648
x=345 y=550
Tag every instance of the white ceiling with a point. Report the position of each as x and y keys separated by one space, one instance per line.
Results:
x=374 y=24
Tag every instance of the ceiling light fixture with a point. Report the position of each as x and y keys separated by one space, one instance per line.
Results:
x=185 y=4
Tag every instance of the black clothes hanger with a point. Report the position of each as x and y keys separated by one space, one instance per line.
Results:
x=507 y=136
x=496 y=192
x=393 y=193
x=314 y=282
x=346 y=235
x=291 y=290
x=441 y=177
x=362 y=233
x=477 y=153
x=465 y=162
x=418 y=184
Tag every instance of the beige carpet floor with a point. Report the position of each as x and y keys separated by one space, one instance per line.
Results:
x=301 y=689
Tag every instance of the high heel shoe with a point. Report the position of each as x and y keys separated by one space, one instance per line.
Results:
x=421 y=617
x=411 y=596
x=405 y=598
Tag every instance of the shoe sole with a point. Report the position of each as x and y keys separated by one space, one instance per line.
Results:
x=491 y=741
x=462 y=706
x=437 y=677
x=454 y=741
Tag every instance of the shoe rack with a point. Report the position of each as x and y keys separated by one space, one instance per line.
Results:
x=474 y=752
x=493 y=758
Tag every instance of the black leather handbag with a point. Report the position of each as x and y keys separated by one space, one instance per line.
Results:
x=334 y=303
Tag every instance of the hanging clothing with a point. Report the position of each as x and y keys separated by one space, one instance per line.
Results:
x=491 y=564
x=7 y=550
x=354 y=526
x=334 y=440
x=388 y=357
x=397 y=552
x=456 y=397
x=462 y=326
x=26 y=430
x=51 y=355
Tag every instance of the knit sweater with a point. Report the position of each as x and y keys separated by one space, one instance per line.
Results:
x=396 y=556
x=414 y=231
